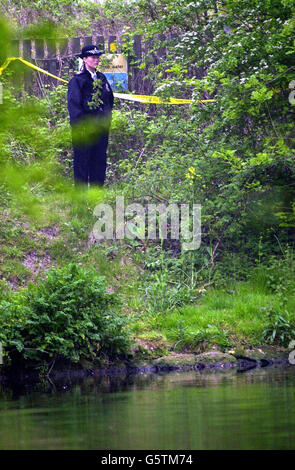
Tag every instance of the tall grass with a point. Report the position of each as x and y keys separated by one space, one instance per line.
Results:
x=238 y=315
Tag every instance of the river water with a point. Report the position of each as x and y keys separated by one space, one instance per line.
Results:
x=176 y=410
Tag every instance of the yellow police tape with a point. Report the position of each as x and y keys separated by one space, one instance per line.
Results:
x=10 y=59
x=123 y=96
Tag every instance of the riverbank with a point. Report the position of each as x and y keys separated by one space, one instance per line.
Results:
x=176 y=318
x=211 y=360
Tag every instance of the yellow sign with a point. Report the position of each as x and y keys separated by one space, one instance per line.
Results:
x=113 y=47
x=115 y=70
x=115 y=63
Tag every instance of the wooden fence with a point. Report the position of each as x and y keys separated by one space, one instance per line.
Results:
x=59 y=57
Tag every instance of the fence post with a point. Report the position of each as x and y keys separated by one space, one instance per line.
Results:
x=14 y=47
x=39 y=49
x=87 y=41
x=39 y=59
x=50 y=64
x=75 y=50
x=28 y=73
x=27 y=49
x=137 y=54
x=99 y=41
x=17 y=77
x=63 y=51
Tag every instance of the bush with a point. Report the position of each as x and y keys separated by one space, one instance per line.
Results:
x=69 y=315
x=280 y=327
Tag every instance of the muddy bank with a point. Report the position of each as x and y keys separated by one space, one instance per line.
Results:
x=241 y=360
x=245 y=359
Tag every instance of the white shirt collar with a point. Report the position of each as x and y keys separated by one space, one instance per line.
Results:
x=93 y=74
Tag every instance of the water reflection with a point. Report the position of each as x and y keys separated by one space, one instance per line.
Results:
x=180 y=410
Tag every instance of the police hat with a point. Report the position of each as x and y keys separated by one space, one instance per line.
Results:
x=89 y=50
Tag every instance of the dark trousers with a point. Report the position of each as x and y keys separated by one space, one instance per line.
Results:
x=90 y=161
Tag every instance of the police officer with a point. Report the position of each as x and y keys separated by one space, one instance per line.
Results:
x=90 y=103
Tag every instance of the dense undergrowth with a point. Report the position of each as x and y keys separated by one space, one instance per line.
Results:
x=235 y=157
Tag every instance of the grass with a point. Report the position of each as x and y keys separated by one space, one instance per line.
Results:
x=61 y=235
x=236 y=315
x=220 y=317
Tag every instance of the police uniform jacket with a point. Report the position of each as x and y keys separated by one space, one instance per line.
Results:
x=80 y=94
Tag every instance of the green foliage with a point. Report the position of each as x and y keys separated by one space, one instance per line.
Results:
x=69 y=315
x=280 y=327
x=164 y=294
x=279 y=274
x=235 y=157
x=243 y=313
x=4 y=39
x=194 y=339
